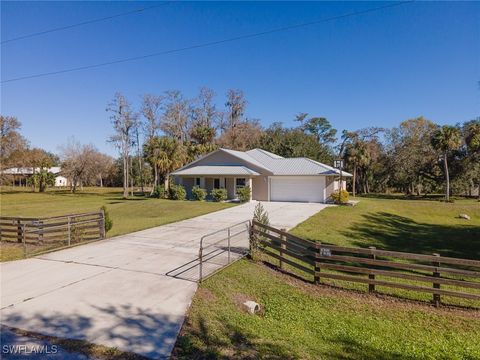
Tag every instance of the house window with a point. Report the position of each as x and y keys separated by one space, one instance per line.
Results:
x=216 y=183
x=240 y=182
x=197 y=181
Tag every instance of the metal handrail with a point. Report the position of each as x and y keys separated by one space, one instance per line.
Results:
x=229 y=236
x=218 y=231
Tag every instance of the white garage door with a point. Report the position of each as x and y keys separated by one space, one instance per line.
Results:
x=297 y=188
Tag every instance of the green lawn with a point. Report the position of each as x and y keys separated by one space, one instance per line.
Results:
x=306 y=321
x=418 y=226
x=134 y=214
x=302 y=321
x=421 y=226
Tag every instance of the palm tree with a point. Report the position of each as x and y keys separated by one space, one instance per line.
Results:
x=472 y=140
x=165 y=154
x=356 y=155
x=446 y=139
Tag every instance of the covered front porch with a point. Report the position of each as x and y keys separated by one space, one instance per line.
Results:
x=210 y=177
x=208 y=182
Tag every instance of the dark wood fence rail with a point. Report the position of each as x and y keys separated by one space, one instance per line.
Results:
x=348 y=262
x=65 y=229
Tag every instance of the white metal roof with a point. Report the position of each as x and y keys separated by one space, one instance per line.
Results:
x=29 y=170
x=245 y=156
x=274 y=164
x=217 y=170
x=292 y=166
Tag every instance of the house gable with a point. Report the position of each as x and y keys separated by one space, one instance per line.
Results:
x=227 y=157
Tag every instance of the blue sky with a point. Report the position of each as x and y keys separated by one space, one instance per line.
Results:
x=379 y=68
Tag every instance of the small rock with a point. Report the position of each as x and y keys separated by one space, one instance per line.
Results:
x=252 y=307
x=464 y=216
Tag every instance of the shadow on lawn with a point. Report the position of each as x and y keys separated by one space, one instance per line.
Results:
x=431 y=197
x=352 y=349
x=133 y=330
x=120 y=199
x=398 y=233
x=434 y=197
x=200 y=343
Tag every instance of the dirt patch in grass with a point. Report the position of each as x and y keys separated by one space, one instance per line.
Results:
x=205 y=294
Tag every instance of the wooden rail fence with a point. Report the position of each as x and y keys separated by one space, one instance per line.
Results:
x=62 y=230
x=347 y=263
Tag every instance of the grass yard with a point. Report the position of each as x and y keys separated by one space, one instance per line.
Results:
x=421 y=226
x=397 y=224
x=134 y=214
x=303 y=321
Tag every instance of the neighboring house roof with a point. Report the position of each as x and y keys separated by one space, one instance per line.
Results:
x=273 y=163
x=29 y=170
x=217 y=170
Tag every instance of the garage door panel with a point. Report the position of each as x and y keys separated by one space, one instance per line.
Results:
x=301 y=189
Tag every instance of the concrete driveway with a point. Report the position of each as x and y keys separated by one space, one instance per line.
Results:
x=116 y=292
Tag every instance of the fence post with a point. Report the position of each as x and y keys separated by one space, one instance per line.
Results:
x=436 y=273
x=24 y=241
x=228 y=238
x=40 y=231
x=102 y=226
x=283 y=246
x=19 y=231
x=69 y=228
x=316 y=277
x=371 y=287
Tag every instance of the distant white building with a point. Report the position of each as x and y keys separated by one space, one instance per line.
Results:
x=61 y=181
x=22 y=173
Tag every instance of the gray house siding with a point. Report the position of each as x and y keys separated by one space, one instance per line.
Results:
x=260 y=188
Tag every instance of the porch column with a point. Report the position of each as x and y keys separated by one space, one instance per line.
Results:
x=250 y=184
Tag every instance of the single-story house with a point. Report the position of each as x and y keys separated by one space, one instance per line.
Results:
x=20 y=174
x=271 y=177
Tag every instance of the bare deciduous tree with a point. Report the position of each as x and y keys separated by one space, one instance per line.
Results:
x=151 y=111
x=175 y=120
x=233 y=125
x=236 y=105
x=78 y=162
x=102 y=167
x=245 y=136
x=205 y=113
x=124 y=121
